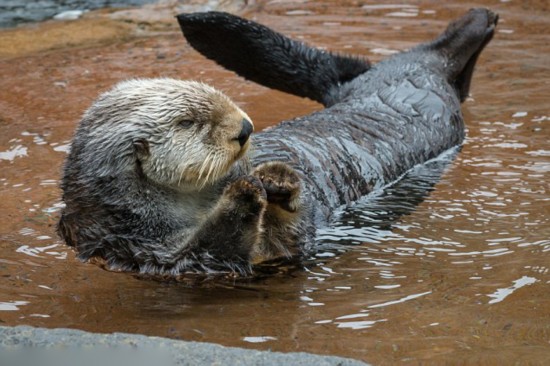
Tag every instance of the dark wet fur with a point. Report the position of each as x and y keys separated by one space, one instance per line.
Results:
x=401 y=112
x=381 y=121
x=269 y=58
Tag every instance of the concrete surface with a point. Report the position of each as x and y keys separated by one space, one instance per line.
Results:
x=28 y=346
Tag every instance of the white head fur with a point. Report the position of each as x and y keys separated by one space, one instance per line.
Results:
x=184 y=133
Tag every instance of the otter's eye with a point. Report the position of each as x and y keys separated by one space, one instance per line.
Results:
x=186 y=123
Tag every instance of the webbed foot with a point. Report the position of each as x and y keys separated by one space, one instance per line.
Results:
x=462 y=43
x=269 y=58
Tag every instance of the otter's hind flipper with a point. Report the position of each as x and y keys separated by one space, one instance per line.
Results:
x=269 y=58
x=462 y=43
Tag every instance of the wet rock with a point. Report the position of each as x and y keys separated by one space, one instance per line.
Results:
x=94 y=27
x=163 y=12
x=26 y=40
x=69 y=15
x=14 y=12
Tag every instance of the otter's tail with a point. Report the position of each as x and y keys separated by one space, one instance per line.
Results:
x=269 y=58
x=462 y=43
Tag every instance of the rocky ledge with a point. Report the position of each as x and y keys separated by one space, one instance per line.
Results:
x=24 y=345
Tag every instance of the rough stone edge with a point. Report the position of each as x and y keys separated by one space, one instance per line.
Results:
x=21 y=339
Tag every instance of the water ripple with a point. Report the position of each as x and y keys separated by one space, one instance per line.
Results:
x=501 y=293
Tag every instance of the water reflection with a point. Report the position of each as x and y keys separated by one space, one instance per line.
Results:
x=501 y=293
x=259 y=339
x=13 y=152
x=401 y=300
x=12 y=305
x=361 y=324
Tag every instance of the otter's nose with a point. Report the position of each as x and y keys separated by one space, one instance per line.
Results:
x=246 y=130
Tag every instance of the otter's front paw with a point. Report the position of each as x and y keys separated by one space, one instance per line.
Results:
x=281 y=183
x=248 y=193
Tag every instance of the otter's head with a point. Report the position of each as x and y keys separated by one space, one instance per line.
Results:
x=179 y=134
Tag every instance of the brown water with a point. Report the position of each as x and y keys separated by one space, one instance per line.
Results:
x=464 y=278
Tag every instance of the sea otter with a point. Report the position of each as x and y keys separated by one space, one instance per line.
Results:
x=160 y=180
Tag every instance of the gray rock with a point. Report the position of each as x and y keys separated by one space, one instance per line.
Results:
x=14 y=12
x=24 y=345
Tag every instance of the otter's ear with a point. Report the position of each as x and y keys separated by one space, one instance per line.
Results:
x=141 y=147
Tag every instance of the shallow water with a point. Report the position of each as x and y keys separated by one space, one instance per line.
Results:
x=446 y=269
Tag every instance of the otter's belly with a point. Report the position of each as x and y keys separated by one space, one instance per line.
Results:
x=365 y=142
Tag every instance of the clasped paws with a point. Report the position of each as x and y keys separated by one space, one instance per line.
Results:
x=281 y=184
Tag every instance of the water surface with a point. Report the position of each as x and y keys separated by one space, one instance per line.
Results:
x=450 y=265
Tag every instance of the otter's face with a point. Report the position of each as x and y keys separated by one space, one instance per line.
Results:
x=199 y=134
x=179 y=134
